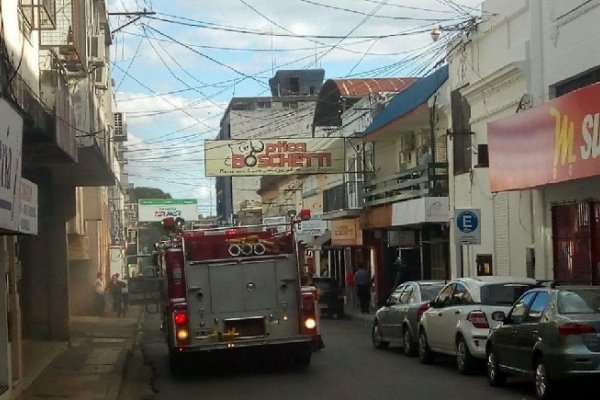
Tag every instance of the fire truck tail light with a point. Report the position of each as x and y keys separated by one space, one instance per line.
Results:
x=182 y=335
x=310 y=323
x=181 y=318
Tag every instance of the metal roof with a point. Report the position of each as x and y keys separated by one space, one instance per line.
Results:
x=337 y=95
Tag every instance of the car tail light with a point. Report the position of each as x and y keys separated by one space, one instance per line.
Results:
x=478 y=319
x=422 y=308
x=575 y=329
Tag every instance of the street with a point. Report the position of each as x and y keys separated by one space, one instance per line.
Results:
x=347 y=368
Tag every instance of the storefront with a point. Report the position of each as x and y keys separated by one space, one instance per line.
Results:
x=554 y=150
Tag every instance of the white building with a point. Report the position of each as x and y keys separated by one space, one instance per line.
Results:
x=542 y=219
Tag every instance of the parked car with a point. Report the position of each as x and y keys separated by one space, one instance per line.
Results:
x=550 y=334
x=331 y=299
x=397 y=321
x=458 y=320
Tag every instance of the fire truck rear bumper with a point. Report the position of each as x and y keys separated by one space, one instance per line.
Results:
x=246 y=343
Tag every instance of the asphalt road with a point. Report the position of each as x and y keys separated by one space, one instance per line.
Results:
x=347 y=368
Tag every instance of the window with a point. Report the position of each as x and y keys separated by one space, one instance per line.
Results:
x=537 y=307
x=484 y=265
x=483 y=159
x=445 y=296
x=395 y=296
x=295 y=85
x=584 y=301
x=504 y=294
x=289 y=104
x=520 y=308
x=263 y=105
x=408 y=295
x=461 y=296
x=461 y=133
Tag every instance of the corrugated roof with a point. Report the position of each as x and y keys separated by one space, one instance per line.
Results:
x=362 y=87
x=330 y=105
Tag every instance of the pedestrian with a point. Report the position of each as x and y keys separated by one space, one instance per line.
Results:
x=362 y=280
x=125 y=298
x=349 y=289
x=115 y=288
x=99 y=295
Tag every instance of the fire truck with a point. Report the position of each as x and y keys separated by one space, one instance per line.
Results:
x=232 y=288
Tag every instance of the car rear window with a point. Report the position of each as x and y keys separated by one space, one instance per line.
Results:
x=579 y=301
x=503 y=294
x=430 y=291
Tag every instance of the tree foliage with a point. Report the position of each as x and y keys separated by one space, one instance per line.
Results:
x=143 y=192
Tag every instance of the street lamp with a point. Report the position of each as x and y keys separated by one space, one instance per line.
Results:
x=435 y=33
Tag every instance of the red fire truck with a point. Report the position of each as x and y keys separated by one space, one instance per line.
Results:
x=236 y=287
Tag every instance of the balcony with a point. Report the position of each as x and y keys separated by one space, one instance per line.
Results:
x=423 y=181
x=344 y=200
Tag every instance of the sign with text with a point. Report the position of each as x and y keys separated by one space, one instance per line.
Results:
x=555 y=142
x=155 y=210
x=467 y=226
x=11 y=140
x=274 y=156
x=312 y=227
x=29 y=207
x=346 y=232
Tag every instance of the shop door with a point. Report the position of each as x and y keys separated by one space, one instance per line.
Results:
x=571 y=228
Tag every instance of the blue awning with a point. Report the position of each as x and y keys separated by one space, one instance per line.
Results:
x=409 y=99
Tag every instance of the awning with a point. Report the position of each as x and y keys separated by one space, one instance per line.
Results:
x=408 y=100
x=317 y=243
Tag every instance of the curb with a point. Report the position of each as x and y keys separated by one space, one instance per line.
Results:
x=123 y=360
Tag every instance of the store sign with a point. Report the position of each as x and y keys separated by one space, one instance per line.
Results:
x=155 y=210
x=555 y=142
x=11 y=140
x=312 y=227
x=29 y=207
x=274 y=156
x=346 y=232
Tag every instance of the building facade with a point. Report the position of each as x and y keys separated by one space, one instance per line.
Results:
x=522 y=90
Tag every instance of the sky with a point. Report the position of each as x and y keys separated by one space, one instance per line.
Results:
x=176 y=70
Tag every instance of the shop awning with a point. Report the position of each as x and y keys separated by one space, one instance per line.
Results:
x=409 y=100
x=421 y=211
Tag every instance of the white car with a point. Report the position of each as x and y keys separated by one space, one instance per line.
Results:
x=459 y=318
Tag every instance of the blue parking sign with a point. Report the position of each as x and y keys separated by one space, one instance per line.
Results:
x=467 y=226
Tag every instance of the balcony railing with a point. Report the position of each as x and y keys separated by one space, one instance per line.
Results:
x=347 y=195
x=422 y=181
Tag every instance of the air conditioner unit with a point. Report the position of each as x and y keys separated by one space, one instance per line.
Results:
x=101 y=77
x=120 y=134
x=97 y=50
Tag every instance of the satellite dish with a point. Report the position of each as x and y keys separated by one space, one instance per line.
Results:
x=525 y=103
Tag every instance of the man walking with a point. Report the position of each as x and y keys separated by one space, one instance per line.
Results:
x=362 y=280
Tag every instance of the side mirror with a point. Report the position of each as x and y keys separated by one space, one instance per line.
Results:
x=499 y=316
x=433 y=303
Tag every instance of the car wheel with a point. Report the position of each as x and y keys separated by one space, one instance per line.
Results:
x=425 y=353
x=378 y=343
x=464 y=359
x=409 y=344
x=544 y=387
x=495 y=377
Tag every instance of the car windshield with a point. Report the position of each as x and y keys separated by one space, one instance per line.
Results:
x=428 y=292
x=579 y=301
x=503 y=294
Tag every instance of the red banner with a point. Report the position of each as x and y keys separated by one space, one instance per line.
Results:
x=554 y=142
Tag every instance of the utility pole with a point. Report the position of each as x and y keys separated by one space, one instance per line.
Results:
x=136 y=14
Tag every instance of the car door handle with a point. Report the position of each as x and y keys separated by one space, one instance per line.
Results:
x=534 y=333
x=439 y=314
x=457 y=312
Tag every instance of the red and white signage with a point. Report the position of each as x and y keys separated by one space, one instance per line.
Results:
x=555 y=142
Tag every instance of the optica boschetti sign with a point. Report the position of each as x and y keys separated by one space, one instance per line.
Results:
x=274 y=156
x=555 y=142
x=152 y=210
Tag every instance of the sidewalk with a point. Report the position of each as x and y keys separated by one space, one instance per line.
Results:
x=355 y=314
x=91 y=367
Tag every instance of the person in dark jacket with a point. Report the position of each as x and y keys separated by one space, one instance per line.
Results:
x=362 y=280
